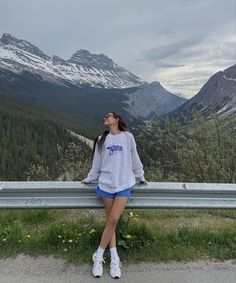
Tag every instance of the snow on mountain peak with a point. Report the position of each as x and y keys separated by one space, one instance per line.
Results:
x=156 y=83
x=9 y=39
x=83 y=68
x=84 y=57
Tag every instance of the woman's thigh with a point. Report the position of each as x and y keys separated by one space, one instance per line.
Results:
x=118 y=206
x=108 y=202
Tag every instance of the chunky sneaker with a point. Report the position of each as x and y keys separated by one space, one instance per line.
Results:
x=97 y=265
x=115 y=265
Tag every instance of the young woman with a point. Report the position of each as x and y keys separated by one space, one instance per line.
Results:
x=116 y=165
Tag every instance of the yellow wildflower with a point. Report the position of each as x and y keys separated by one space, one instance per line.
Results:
x=92 y=231
x=136 y=219
x=65 y=249
x=128 y=236
x=70 y=241
x=59 y=236
x=28 y=236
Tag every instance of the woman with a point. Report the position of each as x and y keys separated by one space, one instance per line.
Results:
x=116 y=164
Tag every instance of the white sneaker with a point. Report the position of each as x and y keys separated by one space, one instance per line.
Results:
x=115 y=265
x=97 y=266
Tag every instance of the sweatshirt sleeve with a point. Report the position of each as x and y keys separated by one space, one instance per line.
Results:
x=96 y=166
x=137 y=165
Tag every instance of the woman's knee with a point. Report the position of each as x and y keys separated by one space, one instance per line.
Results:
x=112 y=220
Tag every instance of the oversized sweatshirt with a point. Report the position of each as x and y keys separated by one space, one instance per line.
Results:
x=117 y=165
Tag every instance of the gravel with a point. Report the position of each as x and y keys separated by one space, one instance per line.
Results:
x=26 y=269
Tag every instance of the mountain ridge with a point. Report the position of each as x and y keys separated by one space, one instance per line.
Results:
x=82 y=68
x=82 y=79
x=218 y=94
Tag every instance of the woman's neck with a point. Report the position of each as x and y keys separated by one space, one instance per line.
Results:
x=115 y=131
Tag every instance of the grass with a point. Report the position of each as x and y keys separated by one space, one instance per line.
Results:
x=142 y=234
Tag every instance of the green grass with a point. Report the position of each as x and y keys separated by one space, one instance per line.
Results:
x=156 y=235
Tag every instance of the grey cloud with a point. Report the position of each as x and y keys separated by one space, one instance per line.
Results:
x=162 y=64
x=165 y=51
x=191 y=83
x=146 y=37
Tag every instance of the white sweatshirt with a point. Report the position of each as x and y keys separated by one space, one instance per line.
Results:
x=117 y=164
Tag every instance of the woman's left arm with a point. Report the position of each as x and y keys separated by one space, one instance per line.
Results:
x=137 y=165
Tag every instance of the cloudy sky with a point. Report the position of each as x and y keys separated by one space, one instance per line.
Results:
x=179 y=43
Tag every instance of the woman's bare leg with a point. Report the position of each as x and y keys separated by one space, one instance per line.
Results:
x=108 y=202
x=113 y=218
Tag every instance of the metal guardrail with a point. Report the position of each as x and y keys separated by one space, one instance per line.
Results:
x=74 y=194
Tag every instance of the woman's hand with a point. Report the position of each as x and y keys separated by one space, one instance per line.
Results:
x=84 y=182
x=143 y=182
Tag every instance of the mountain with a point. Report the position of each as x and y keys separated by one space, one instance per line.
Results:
x=151 y=99
x=81 y=89
x=218 y=94
x=82 y=69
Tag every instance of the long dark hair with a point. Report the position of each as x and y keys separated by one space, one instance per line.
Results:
x=121 y=126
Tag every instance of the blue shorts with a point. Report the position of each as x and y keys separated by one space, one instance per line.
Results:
x=125 y=192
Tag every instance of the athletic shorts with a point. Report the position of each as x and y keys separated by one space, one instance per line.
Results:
x=125 y=192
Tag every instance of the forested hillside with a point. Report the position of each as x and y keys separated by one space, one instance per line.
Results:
x=34 y=146
x=32 y=143
x=201 y=150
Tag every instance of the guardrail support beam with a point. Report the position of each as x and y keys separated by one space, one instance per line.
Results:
x=74 y=194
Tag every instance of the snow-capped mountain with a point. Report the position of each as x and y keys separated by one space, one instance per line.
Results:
x=82 y=69
x=218 y=94
x=71 y=87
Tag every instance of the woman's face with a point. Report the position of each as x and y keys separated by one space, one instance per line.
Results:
x=109 y=119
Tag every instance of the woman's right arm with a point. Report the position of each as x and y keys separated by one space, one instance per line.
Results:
x=96 y=167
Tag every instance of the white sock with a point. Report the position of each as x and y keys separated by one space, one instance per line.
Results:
x=100 y=251
x=113 y=252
